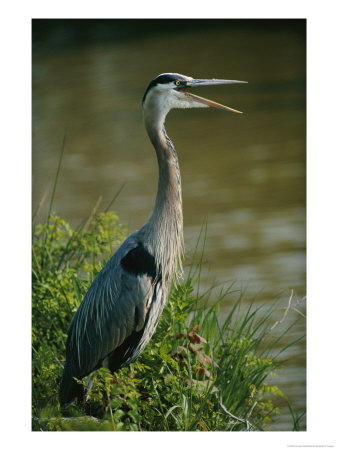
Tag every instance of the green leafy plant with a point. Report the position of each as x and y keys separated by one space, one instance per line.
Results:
x=64 y=262
x=195 y=374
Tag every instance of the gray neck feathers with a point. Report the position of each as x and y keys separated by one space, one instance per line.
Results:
x=164 y=229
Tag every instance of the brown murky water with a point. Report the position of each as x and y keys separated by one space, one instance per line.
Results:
x=244 y=173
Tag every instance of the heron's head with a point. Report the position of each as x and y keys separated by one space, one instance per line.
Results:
x=172 y=90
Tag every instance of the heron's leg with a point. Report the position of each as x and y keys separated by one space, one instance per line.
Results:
x=89 y=384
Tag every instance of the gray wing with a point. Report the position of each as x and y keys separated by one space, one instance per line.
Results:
x=114 y=308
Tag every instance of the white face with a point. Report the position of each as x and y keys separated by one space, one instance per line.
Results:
x=164 y=97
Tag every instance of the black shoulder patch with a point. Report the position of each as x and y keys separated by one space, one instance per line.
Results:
x=139 y=261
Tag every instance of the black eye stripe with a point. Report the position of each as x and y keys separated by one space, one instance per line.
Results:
x=164 y=79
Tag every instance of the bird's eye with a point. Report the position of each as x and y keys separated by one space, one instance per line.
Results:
x=177 y=83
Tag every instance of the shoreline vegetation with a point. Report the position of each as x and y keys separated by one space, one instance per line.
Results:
x=196 y=374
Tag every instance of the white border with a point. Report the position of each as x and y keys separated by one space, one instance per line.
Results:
x=15 y=232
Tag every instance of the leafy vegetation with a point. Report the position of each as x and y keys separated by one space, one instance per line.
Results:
x=195 y=374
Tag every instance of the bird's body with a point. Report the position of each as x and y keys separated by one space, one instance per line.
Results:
x=121 y=309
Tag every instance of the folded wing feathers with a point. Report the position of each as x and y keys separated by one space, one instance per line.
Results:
x=98 y=326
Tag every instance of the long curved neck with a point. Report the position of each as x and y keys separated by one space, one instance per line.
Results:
x=165 y=226
x=169 y=195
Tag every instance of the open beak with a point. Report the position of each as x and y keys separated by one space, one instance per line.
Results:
x=205 y=101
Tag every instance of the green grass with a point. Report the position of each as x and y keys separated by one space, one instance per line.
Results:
x=195 y=374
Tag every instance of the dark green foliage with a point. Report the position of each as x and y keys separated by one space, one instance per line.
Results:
x=64 y=263
x=192 y=368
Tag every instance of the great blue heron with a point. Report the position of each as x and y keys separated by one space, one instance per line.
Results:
x=121 y=309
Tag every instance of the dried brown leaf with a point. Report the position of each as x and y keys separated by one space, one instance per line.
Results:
x=194 y=337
